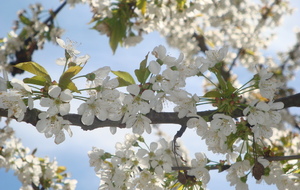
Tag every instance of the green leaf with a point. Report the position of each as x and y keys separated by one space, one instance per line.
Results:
x=124 y=78
x=181 y=4
x=122 y=82
x=250 y=52
x=142 y=4
x=143 y=63
x=213 y=93
x=142 y=74
x=61 y=169
x=65 y=79
x=35 y=69
x=230 y=89
x=23 y=34
x=71 y=86
x=117 y=32
x=37 y=80
x=25 y=20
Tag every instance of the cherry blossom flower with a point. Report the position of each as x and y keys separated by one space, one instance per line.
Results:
x=139 y=123
x=267 y=86
x=215 y=141
x=288 y=181
x=199 y=123
x=213 y=57
x=96 y=160
x=13 y=103
x=198 y=168
x=23 y=89
x=53 y=125
x=223 y=123
x=69 y=47
x=236 y=171
x=186 y=104
x=262 y=130
x=91 y=108
x=136 y=103
x=257 y=112
x=58 y=101
x=159 y=52
x=147 y=180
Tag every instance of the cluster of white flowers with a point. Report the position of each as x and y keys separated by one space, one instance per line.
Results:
x=210 y=19
x=236 y=172
x=145 y=168
x=128 y=168
x=277 y=176
x=31 y=170
x=198 y=168
x=281 y=179
x=105 y=102
x=261 y=115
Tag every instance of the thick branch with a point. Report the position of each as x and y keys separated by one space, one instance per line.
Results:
x=31 y=116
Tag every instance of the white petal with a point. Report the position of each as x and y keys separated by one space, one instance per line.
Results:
x=133 y=89
x=223 y=52
x=88 y=117
x=147 y=95
x=277 y=105
x=54 y=91
x=159 y=52
x=66 y=95
x=41 y=125
x=64 y=109
x=153 y=146
x=60 y=137
x=46 y=102
x=263 y=106
x=154 y=67
x=102 y=72
x=61 y=61
x=81 y=108
x=60 y=42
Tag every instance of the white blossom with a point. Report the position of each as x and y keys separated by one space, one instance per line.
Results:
x=53 y=125
x=213 y=57
x=58 y=101
x=198 y=168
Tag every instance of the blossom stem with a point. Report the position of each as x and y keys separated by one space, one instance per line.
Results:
x=65 y=66
x=242 y=87
x=210 y=81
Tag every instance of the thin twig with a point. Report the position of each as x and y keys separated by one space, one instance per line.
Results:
x=217 y=167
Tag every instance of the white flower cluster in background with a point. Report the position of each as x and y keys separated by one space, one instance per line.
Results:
x=30 y=170
x=251 y=31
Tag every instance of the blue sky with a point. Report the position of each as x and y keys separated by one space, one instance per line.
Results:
x=73 y=152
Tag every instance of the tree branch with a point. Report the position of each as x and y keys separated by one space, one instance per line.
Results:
x=31 y=116
x=225 y=167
